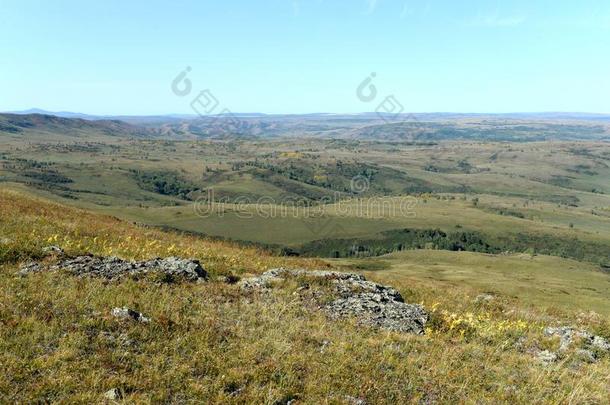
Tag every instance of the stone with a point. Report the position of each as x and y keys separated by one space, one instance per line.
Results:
x=600 y=343
x=113 y=394
x=52 y=250
x=354 y=401
x=369 y=303
x=30 y=268
x=586 y=355
x=188 y=269
x=126 y=313
x=546 y=357
x=567 y=335
x=591 y=346
x=114 y=268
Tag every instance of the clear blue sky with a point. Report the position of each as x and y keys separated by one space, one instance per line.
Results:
x=299 y=56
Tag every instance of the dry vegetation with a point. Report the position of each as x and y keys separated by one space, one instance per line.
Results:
x=213 y=343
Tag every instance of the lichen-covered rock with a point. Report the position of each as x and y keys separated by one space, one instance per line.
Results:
x=369 y=303
x=115 y=268
x=373 y=310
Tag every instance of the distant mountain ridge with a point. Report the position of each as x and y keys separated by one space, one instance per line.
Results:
x=19 y=123
x=367 y=126
x=586 y=116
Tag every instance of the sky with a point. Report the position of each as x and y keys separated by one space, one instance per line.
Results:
x=304 y=56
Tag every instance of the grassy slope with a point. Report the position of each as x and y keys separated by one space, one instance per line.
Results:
x=351 y=219
x=211 y=343
x=545 y=282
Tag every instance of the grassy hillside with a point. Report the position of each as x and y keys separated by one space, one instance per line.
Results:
x=542 y=282
x=214 y=343
x=51 y=128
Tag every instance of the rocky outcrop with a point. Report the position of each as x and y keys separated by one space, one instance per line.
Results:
x=590 y=348
x=369 y=303
x=110 y=268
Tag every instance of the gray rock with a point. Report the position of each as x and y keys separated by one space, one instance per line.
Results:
x=369 y=303
x=113 y=394
x=126 y=313
x=586 y=355
x=375 y=310
x=264 y=280
x=600 y=343
x=546 y=357
x=354 y=401
x=591 y=346
x=567 y=335
x=29 y=268
x=52 y=250
x=115 y=268
x=188 y=269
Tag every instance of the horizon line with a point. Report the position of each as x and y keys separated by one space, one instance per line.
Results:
x=191 y=115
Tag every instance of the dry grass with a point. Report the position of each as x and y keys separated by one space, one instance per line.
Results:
x=28 y=224
x=212 y=343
